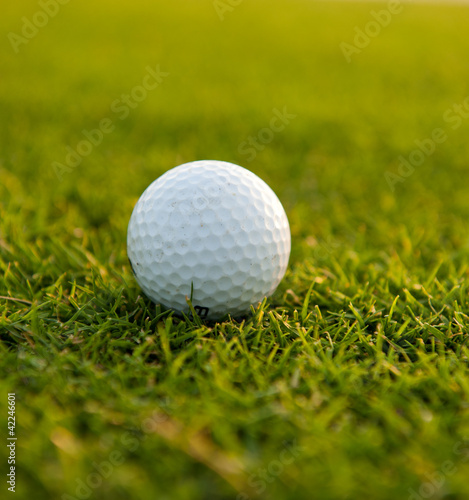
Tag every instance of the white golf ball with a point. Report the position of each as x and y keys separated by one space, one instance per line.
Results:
x=213 y=232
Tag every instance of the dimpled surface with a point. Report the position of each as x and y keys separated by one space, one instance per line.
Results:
x=212 y=227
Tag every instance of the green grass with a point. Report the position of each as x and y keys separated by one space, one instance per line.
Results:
x=355 y=372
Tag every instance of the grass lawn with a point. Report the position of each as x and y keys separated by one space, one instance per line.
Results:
x=352 y=381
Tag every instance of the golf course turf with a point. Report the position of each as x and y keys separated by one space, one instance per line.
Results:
x=352 y=381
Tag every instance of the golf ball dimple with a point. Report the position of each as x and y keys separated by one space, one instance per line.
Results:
x=212 y=231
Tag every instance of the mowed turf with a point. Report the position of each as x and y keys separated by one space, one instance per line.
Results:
x=351 y=382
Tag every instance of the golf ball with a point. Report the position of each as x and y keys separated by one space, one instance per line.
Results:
x=210 y=231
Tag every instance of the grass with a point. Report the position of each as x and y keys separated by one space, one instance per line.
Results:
x=351 y=382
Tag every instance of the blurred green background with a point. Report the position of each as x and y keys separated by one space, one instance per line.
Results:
x=365 y=430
